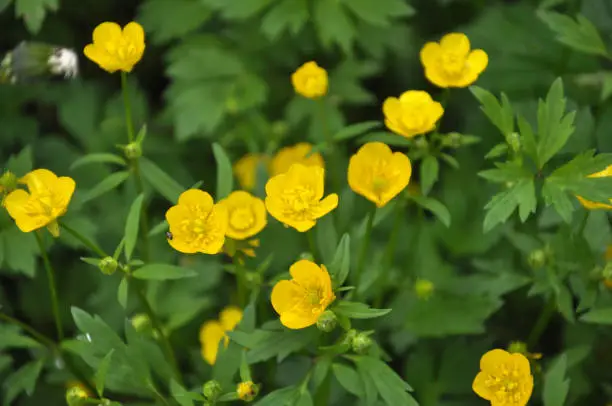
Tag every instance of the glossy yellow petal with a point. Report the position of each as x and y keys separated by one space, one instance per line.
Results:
x=477 y=61
x=490 y=361
x=134 y=33
x=521 y=363
x=230 y=317
x=329 y=203
x=285 y=296
x=436 y=76
x=211 y=335
x=457 y=43
x=310 y=80
x=65 y=187
x=39 y=180
x=392 y=108
x=480 y=388
x=196 y=197
x=297 y=321
x=306 y=273
x=430 y=53
x=107 y=32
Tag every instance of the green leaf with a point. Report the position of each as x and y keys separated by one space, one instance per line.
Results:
x=356 y=310
x=434 y=206
x=160 y=180
x=161 y=272
x=386 y=137
x=391 y=388
x=21 y=163
x=503 y=204
x=554 y=126
x=12 y=338
x=500 y=114
x=180 y=394
x=170 y=19
x=579 y=34
x=527 y=199
x=278 y=397
x=379 y=13
x=355 y=130
x=327 y=237
x=528 y=140
x=510 y=171
x=225 y=178
x=238 y=11
x=131 y=227
x=603 y=315
x=556 y=386
x=288 y=15
x=122 y=292
x=100 y=377
x=106 y=185
x=333 y=24
x=349 y=379
x=341 y=262
x=554 y=194
x=304 y=399
x=279 y=344
x=497 y=151
x=33 y=12
x=429 y=173
x=104 y=158
x=606 y=87
x=227 y=363
x=22 y=380
x=4 y=4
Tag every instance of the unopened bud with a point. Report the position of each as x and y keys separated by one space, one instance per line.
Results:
x=349 y=337
x=424 y=289
x=361 y=343
x=231 y=105
x=141 y=323
x=76 y=396
x=108 y=265
x=420 y=142
x=279 y=128
x=537 y=259
x=211 y=390
x=327 y=321
x=253 y=278
x=307 y=255
x=247 y=391
x=8 y=181
x=514 y=140
x=453 y=139
x=133 y=150
x=518 y=347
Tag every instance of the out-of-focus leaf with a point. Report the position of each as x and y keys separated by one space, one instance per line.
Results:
x=106 y=185
x=579 y=34
x=160 y=180
x=225 y=177
x=556 y=386
x=131 y=227
x=104 y=158
x=160 y=272
x=22 y=380
x=170 y=19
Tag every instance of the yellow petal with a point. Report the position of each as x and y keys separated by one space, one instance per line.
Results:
x=456 y=42
x=276 y=185
x=296 y=321
x=305 y=273
x=326 y=205
x=480 y=388
x=285 y=296
x=64 y=189
x=392 y=108
x=106 y=32
x=436 y=76
x=211 y=335
x=492 y=359
x=415 y=98
x=134 y=33
x=478 y=61
x=230 y=317
x=430 y=53
x=521 y=362
x=40 y=180
x=196 y=197
x=15 y=202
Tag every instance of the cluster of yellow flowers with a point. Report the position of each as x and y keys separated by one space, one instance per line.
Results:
x=295 y=196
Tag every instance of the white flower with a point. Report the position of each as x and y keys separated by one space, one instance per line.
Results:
x=64 y=61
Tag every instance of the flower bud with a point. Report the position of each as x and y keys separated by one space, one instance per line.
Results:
x=279 y=128
x=361 y=343
x=453 y=140
x=253 y=278
x=231 y=105
x=518 y=347
x=349 y=337
x=8 y=181
x=420 y=142
x=211 y=390
x=537 y=259
x=133 y=150
x=514 y=141
x=307 y=255
x=141 y=323
x=327 y=321
x=247 y=391
x=76 y=396
x=424 y=288
x=108 y=265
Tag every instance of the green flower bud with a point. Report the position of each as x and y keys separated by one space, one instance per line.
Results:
x=327 y=321
x=253 y=278
x=231 y=105
x=76 y=396
x=247 y=391
x=424 y=288
x=280 y=128
x=420 y=143
x=307 y=255
x=606 y=273
x=349 y=337
x=518 y=347
x=141 y=323
x=361 y=343
x=108 y=265
x=453 y=140
x=8 y=181
x=133 y=150
x=211 y=390
x=537 y=259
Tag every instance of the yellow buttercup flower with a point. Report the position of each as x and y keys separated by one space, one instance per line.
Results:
x=298 y=153
x=246 y=169
x=377 y=173
x=246 y=214
x=595 y=205
x=413 y=113
x=213 y=331
x=310 y=80
x=48 y=199
x=115 y=49
x=294 y=197
x=450 y=63
x=196 y=223
x=504 y=379
x=301 y=300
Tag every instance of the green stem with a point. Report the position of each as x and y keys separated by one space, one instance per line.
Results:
x=240 y=281
x=324 y=123
x=160 y=331
x=364 y=248
x=88 y=243
x=52 y=286
x=312 y=246
x=389 y=252
x=541 y=323
x=30 y=330
x=128 y=106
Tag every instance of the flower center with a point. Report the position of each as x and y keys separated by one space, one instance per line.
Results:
x=413 y=116
x=299 y=201
x=198 y=227
x=314 y=298
x=312 y=84
x=452 y=63
x=505 y=385
x=241 y=218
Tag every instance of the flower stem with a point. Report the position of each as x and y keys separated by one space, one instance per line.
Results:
x=28 y=329
x=240 y=281
x=88 y=243
x=364 y=248
x=312 y=246
x=160 y=331
x=389 y=252
x=541 y=322
x=128 y=106
x=52 y=286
